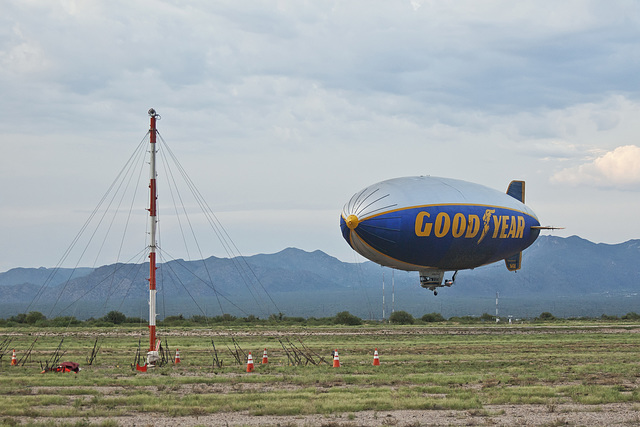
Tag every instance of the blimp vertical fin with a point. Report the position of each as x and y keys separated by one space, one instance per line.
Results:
x=516 y=190
x=514 y=262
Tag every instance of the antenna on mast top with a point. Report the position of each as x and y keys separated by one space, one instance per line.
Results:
x=152 y=113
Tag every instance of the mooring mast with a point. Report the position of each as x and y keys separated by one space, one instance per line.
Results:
x=152 y=355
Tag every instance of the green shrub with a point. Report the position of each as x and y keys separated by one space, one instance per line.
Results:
x=464 y=319
x=486 y=317
x=433 y=317
x=607 y=317
x=401 y=318
x=64 y=321
x=114 y=317
x=346 y=318
x=34 y=317
x=19 y=318
x=631 y=316
x=546 y=316
x=225 y=318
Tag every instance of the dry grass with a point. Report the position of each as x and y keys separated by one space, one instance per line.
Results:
x=474 y=373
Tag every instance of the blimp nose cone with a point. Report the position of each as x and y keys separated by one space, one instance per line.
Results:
x=352 y=222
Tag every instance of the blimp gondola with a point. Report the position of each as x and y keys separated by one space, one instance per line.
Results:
x=433 y=225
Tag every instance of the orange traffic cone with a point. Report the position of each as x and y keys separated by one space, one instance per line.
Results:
x=177 y=360
x=336 y=360
x=265 y=359
x=250 y=363
x=376 y=359
x=14 y=361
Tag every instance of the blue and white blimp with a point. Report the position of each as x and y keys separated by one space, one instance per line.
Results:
x=433 y=225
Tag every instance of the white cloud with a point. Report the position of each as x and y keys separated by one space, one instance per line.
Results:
x=619 y=168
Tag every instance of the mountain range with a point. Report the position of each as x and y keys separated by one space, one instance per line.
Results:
x=569 y=277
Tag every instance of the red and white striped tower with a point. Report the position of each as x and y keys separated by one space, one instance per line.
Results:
x=152 y=355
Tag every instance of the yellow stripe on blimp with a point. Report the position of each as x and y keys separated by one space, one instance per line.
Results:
x=437 y=205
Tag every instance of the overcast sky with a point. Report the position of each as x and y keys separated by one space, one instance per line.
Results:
x=282 y=110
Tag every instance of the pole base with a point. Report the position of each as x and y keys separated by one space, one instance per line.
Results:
x=152 y=358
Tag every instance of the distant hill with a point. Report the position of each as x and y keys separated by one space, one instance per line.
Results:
x=568 y=267
x=566 y=276
x=40 y=275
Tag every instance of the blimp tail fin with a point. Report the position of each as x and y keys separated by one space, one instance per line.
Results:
x=514 y=262
x=516 y=190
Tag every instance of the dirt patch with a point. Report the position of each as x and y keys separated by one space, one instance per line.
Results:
x=297 y=332
x=618 y=414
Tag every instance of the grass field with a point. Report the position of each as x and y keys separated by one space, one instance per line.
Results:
x=479 y=373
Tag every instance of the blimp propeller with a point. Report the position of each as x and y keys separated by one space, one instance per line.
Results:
x=433 y=225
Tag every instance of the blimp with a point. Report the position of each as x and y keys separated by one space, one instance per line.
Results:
x=436 y=225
